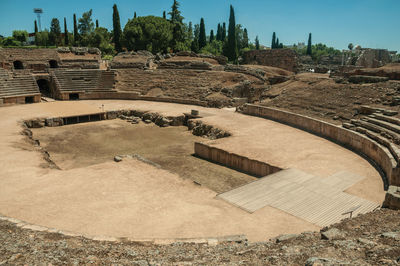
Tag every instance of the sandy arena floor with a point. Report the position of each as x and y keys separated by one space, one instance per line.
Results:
x=137 y=200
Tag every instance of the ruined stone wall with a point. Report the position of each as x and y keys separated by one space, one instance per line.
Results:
x=282 y=58
x=39 y=60
x=234 y=161
x=373 y=58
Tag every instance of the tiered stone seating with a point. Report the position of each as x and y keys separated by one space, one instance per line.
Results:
x=383 y=129
x=17 y=84
x=87 y=81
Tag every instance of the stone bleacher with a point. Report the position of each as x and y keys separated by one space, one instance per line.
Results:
x=17 y=84
x=381 y=128
x=87 y=81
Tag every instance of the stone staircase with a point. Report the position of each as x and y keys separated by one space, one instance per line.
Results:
x=381 y=128
x=17 y=84
x=89 y=81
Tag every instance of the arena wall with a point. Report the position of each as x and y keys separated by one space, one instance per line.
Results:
x=136 y=96
x=373 y=151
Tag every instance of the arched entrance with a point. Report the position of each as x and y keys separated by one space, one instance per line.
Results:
x=53 y=64
x=44 y=87
x=18 y=64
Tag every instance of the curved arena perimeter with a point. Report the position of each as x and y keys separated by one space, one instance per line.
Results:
x=133 y=199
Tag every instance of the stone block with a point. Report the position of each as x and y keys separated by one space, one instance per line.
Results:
x=392 y=198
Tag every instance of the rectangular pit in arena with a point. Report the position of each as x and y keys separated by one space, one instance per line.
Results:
x=79 y=144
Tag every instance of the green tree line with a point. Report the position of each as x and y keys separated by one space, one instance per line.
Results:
x=156 y=34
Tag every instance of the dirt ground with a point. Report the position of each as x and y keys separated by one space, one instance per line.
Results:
x=172 y=148
x=372 y=239
x=136 y=200
x=318 y=95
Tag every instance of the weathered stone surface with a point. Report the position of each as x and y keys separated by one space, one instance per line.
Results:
x=117 y=158
x=285 y=237
x=393 y=235
x=315 y=261
x=282 y=58
x=367 y=79
x=392 y=198
x=333 y=234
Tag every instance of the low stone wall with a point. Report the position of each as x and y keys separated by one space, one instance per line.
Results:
x=136 y=96
x=352 y=140
x=234 y=161
x=21 y=99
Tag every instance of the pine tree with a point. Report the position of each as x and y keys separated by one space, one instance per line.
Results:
x=309 y=49
x=273 y=44
x=245 y=38
x=232 y=50
x=257 y=42
x=212 y=36
x=76 y=34
x=134 y=15
x=219 y=32
x=97 y=23
x=223 y=34
x=66 y=40
x=117 y=29
x=202 y=36
x=164 y=15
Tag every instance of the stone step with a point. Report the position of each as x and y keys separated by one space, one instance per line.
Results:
x=389 y=119
x=391 y=150
x=384 y=124
x=384 y=132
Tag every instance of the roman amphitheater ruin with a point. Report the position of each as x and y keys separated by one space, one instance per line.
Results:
x=187 y=147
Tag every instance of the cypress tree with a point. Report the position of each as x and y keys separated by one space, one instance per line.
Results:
x=76 y=34
x=36 y=28
x=175 y=13
x=36 y=31
x=195 y=43
x=277 y=43
x=212 y=36
x=309 y=49
x=202 y=36
x=164 y=15
x=232 y=50
x=178 y=34
x=55 y=32
x=273 y=43
x=190 y=31
x=223 y=32
x=134 y=15
x=257 y=43
x=117 y=29
x=66 y=40
x=245 y=39
x=97 y=23
x=218 y=37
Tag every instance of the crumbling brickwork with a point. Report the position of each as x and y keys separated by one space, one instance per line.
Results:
x=282 y=58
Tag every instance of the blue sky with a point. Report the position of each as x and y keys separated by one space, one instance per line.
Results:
x=370 y=23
